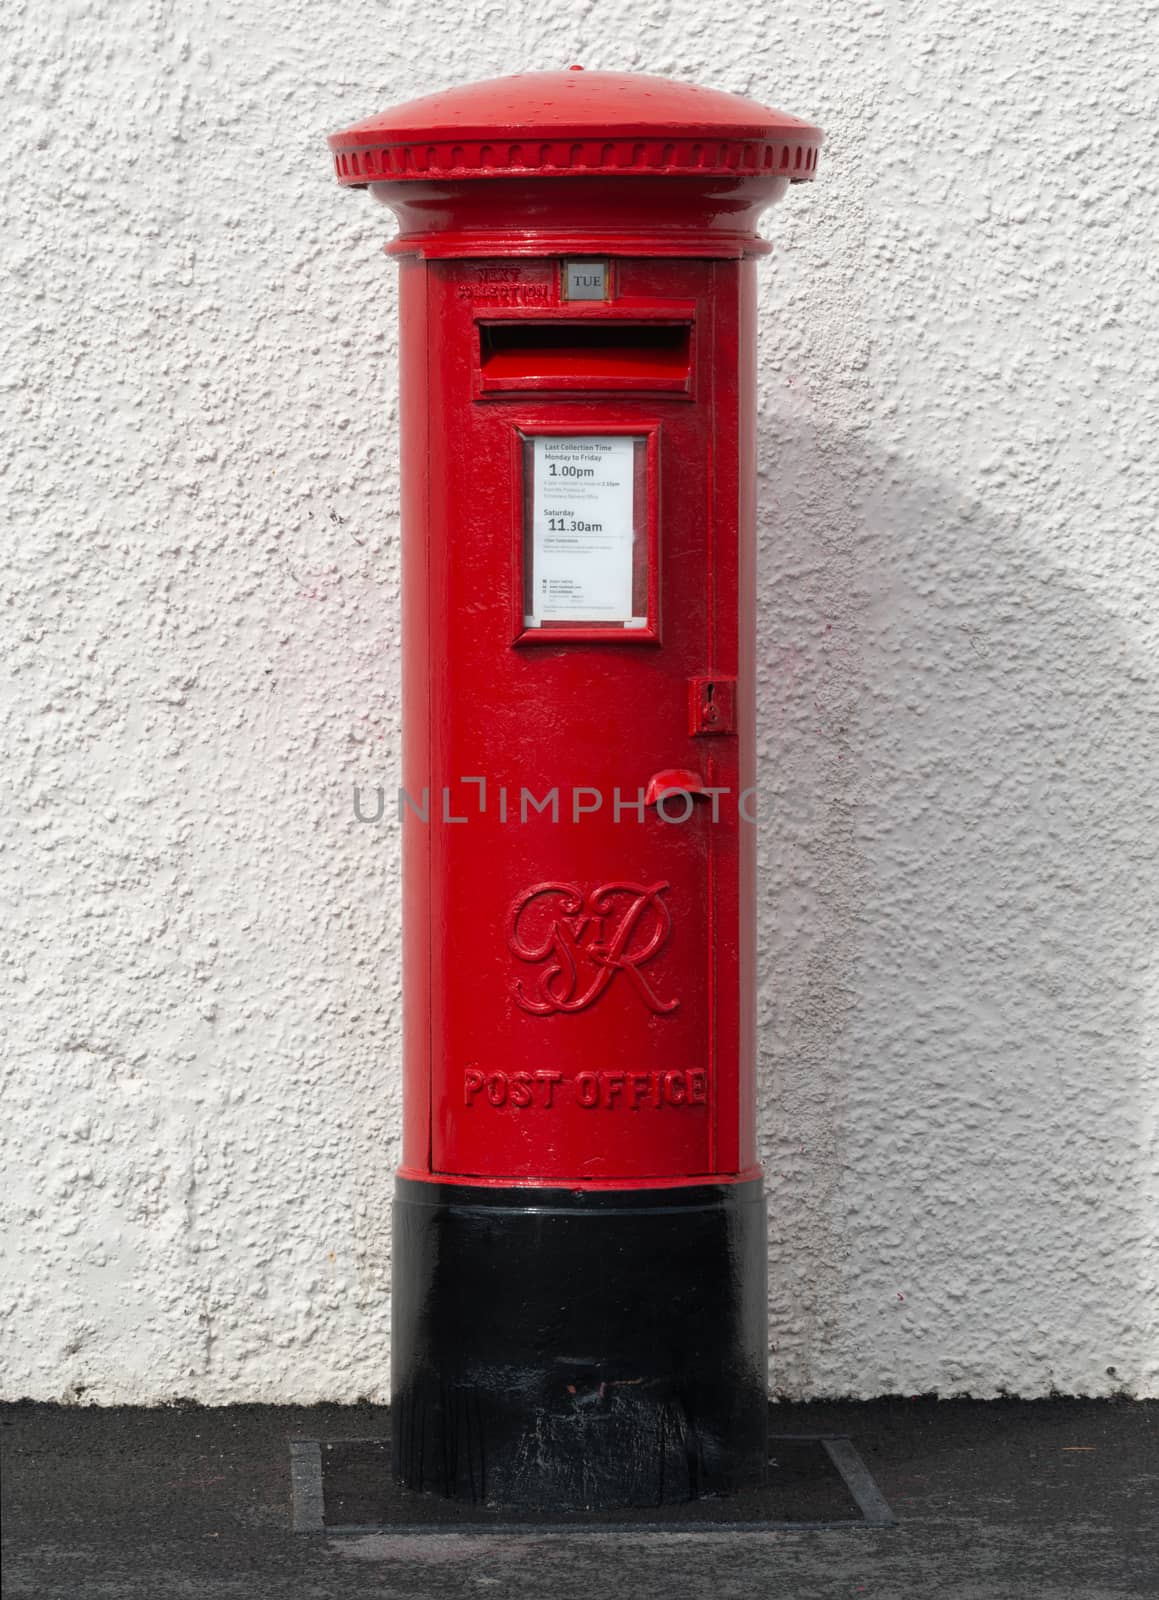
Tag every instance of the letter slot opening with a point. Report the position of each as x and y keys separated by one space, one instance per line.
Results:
x=588 y=355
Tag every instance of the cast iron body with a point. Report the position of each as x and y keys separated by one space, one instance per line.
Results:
x=579 y=1293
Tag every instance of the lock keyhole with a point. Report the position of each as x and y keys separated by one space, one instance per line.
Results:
x=712 y=705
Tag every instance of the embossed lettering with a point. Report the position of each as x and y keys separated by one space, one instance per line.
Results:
x=547 y=1082
x=639 y=1085
x=580 y=942
x=587 y=1088
x=663 y=1090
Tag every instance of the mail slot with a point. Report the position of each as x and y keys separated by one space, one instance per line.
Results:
x=587 y=354
x=579 y=1304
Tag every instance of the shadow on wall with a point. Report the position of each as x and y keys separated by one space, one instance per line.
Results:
x=958 y=916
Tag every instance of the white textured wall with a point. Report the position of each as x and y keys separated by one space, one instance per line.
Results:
x=958 y=654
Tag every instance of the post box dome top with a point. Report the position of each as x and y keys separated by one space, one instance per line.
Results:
x=575 y=123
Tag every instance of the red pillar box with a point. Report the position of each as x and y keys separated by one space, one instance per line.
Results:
x=579 y=1310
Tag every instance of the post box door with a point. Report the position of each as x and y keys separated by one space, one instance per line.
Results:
x=587 y=955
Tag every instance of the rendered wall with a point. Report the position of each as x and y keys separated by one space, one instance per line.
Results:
x=958 y=687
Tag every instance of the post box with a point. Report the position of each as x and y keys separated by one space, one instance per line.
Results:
x=579 y=1298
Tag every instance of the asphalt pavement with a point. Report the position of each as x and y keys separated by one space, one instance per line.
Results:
x=1000 y=1500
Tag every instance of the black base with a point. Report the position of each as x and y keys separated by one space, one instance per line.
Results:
x=565 y=1349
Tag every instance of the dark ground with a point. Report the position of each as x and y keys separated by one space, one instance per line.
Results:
x=1006 y=1500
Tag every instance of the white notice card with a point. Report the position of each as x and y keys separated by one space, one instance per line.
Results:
x=582 y=534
